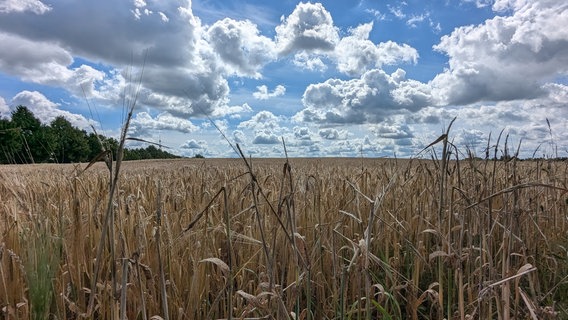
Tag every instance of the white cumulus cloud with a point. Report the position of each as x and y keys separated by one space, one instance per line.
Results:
x=262 y=92
x=506 y=57
x=309 y=28
x=370 y=98
x=143 y=124
x=265 y=138
x=46 y=110
x=35 y=6
x=241 y=47
x=356 y=54
x=194 y=144
x=261 y=121
x=4 y=109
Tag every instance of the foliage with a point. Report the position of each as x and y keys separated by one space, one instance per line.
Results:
x=41 y=265
x=10 y=141
x=24 y=139
x=32 y=140
x=150 y=152
x=71 y=144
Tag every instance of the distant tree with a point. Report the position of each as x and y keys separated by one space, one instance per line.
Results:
x=95 y=145
x=10 y=142
x=199 y=156
x=23 y=118
x=153 y=152
x=98 y=143
x=150 y=152
x=36 y=141
x=72 y=144
x=24 y=139
x=112 y=145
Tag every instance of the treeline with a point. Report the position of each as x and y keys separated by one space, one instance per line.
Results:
x=24 y=139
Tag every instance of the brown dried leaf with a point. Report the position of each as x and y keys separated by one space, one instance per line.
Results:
x=437 y=254
x=249 y=297
x=529 y=303
x=220 y=263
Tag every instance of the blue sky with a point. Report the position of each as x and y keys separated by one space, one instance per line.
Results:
x=330 y=78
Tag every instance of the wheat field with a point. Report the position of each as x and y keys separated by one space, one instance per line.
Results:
x=286 y=239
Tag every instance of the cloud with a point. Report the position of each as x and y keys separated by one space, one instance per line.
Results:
x=505 y=5
x=522 y=119
x=46 y=110
x=240 y=46
x=232 y=111
x=184 y=92
x=333 y=134
x=183 y=74
x=266 y=138
x=309 y=28
x=239 y=136
x=392 y=130
x=98 y=39
x=4 y=109
x=143 y=124
x=302 y=133
x=264 y=126
x=309 y=61
x=185 y=63
x=192 y=147
x=263 y=94
x=263 y=120
x=507 y=57
x=368 y=99
x=164 y=17
x=194 y=144
x=482 y=3
x=397 y=10
x=507 y=71
x=356 y=54
x=415 y=19
x=376 y=13
x=45 y=63
x=472 y=139
x=34 y=6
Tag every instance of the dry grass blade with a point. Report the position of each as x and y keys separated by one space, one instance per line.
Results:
x=515 y=188
x=103 y=155
x=438 y=140
x=147 y=141
x=200 y=214
x=530 y=304
x=527 y=268
x=110 y=204
x=219 y=263
x=352 y=216
x=163 y=287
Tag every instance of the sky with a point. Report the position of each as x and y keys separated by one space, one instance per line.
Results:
x=329 y=79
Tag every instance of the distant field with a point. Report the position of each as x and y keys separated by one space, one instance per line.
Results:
x=176 y=163
x=327 y=238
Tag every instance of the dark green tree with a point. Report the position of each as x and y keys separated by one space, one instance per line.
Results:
x=37 y=142
x=72 y=144
x=24 y=139
x=25 y=119
x=10 y=142
x=97 y=143
x=112 y=145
